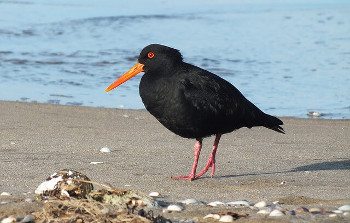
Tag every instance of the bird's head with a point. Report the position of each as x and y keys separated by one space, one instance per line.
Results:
x=154 y=57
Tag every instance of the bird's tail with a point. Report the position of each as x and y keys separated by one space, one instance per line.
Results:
x=273 y=123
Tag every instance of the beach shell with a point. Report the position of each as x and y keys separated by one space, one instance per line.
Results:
x=154 y=194
x=337 y=212
x=5 y=194
x=28 y=218
x=260 y=204
x=96 y=162
x=238 y=203
x=190 y=201
x=332 y=215
x=264 y=212
x=174 y=207
x=276 y=213
x=226 y=218
x=214 y=216
x=216 y=203
x=64 y=184
x=9 y=219
x=105 y=150
x=347 y=213
x=315 y=210
x=345 y=207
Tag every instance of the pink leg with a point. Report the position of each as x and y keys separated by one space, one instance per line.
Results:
x=211 y=160
x=197 y=150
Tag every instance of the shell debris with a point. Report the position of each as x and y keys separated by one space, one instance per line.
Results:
x=175 y=208
x=5 y=194
x=214 y=216
x=238 y=203
x=190 y=201
x=154 y=194
x=216 y=203
x=260 y=204
x=345 y=207
x=226 y=218
x=276 y=213
x=105 y=150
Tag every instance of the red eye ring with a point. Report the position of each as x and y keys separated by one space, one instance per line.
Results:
x=150 y=55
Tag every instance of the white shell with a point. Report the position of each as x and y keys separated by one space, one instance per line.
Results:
x=238 y=203
x=216 y=203
x=28 y=218
x=345 y=207
x=315 y=210
x=154 y=194
x=260 y=204
x=5 y=194
x=9 y=219
x=264 y=212
x=332 y=215
x=226 y=218
x=346 y=213
x=190 y=201
x=105 y=150
x=337 y=211
x=214 y=216
x=174 y=207
x=96 y=163
x=276 y=213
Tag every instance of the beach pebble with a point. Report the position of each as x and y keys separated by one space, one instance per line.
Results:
x=216 y=203
x=332 y=215
x=28 y=218
x=9 y=219
x=5 y=194
x=315 y=210
x=264 y=212
x=226 y=218
x=214 y=216
x=301 y=210
x=260 y=204
x=190 y=201
x=238 y=203
x=154 y=194
x=105 y=150
x=276 y=213
x=174 y=207
x=94 y=163
x=345 y=207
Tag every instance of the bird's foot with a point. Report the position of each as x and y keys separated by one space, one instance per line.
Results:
x=189 y=177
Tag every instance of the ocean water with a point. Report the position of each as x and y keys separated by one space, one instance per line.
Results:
x=287 y=57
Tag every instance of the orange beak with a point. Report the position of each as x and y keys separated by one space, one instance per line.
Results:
x=137 y=68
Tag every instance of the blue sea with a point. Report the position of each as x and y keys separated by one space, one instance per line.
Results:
x=288 y=57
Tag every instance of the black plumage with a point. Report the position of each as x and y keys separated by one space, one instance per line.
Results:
x=192 y=102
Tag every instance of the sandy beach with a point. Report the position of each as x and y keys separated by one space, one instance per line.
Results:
x=308 y=165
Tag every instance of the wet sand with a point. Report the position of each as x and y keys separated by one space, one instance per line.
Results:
x=308 y=165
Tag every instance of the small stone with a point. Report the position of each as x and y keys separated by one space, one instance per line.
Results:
x=216 y=203
x=174 y=207
x=190 y=201
x=154 y=194
x=5 y=194
x=9 y=219
x=301 y=210
x=260 y=204
x=315 y=210
x=276 y=213
x=214 y=216
x=105 y=150
x=332 y=215
x=226 y=218
x=345 y=207
x=275 y=202
x=264 y=212
x=238 y=203
x=28 y=218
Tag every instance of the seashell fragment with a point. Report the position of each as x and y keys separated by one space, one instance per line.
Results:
x=174 y=207
x=216 y=203
x=226 y=218
x=154 y=194
x=345 y=207
x=260 y=204
x=28 y=218
x=105 y=150
x=332 y=215
x=264 y=212
x=238 y=203
x=5 y=194
x=214 y=216
x=315 y=210
x=276 y=213
x=338 y=211
x=96 y=163
x=190 y=201
x=9 y=219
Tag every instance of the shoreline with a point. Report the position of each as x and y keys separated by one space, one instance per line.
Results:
x=311 y=160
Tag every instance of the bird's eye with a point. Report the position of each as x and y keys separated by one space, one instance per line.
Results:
x=150 y=55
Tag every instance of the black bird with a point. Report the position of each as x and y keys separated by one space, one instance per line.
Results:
x=192 y=102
